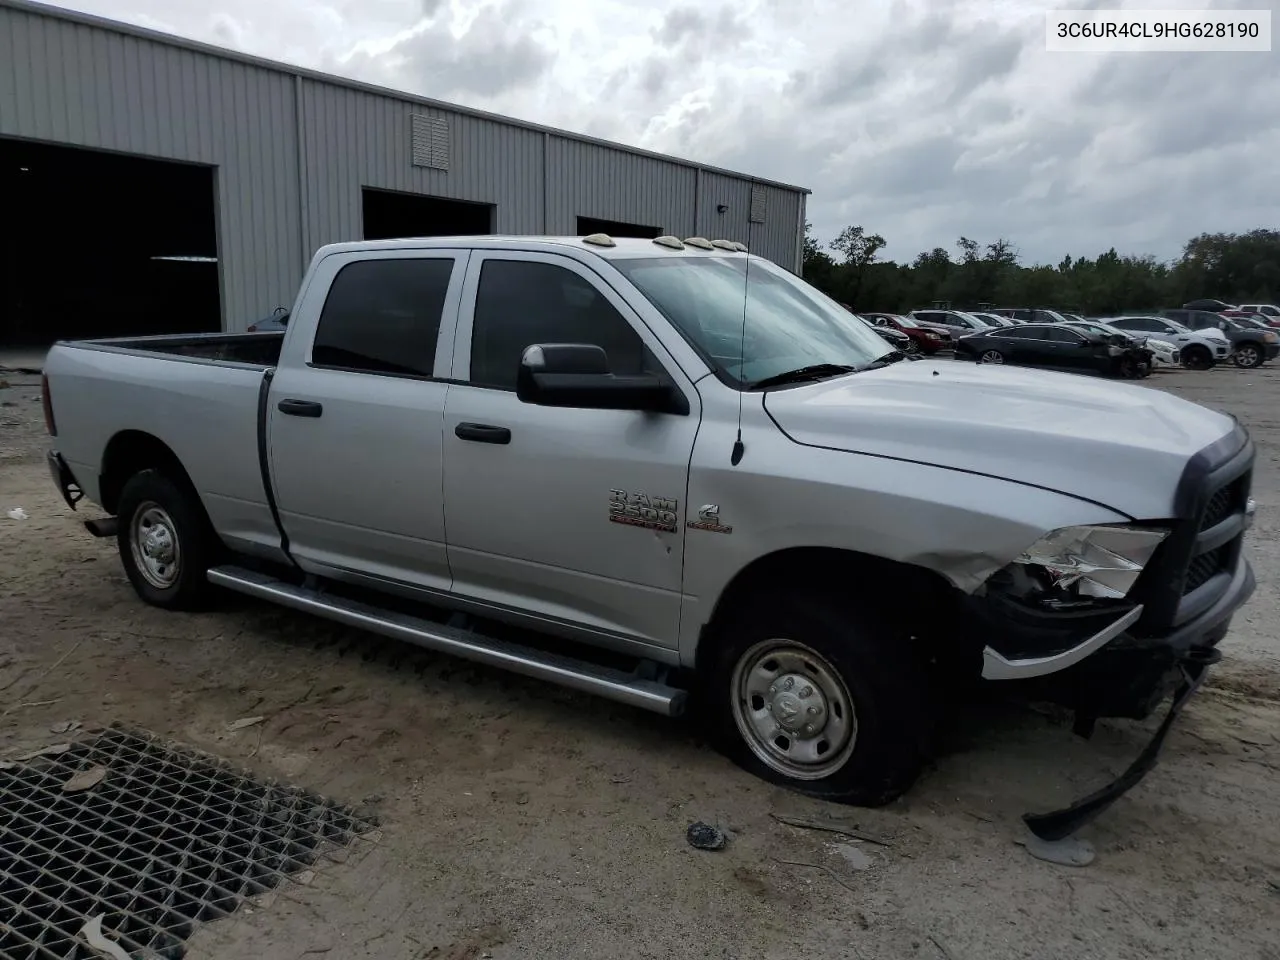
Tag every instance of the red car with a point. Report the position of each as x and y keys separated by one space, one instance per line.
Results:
x=926 y=338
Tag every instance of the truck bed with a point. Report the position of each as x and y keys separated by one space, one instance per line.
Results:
x=201 y=396
x=258 y=349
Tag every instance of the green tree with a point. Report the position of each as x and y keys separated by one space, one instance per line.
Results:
x=858 y=250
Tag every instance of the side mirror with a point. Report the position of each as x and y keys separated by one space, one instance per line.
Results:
x=577 y=375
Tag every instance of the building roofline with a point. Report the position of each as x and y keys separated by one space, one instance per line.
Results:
x=276 y=66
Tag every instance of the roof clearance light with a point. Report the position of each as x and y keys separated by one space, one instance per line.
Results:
x=740 y=247
x=669 y=241
x=599 y=240
x=700 y=242
x=723 y=244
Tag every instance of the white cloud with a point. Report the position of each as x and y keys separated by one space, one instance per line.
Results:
x=920 y=119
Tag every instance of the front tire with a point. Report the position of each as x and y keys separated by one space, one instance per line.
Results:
x=165 y=541
x=811 y=694
x=991 y=356
x=1248 y=356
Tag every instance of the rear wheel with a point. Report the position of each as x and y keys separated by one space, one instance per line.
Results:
x=1248 y=355
x=806 y=692
x=165 y=540
x=1196 y=357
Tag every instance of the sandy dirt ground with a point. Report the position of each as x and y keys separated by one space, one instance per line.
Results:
x=521 y=820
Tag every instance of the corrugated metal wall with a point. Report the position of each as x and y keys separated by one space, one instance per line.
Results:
x=64 y=82
x=293 y=152
x=587 y=180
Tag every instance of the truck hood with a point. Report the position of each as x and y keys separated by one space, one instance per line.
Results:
x=1117 y=444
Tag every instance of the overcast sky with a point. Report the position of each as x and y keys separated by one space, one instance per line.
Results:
x=920 y=121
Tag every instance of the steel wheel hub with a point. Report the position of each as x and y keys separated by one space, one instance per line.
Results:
x=793 y=709
x=796 y=705
x=154 y=544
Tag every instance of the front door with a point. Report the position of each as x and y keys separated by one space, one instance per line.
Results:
x=571 y=517
x=355 y=420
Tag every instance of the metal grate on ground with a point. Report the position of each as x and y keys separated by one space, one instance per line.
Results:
x=168 y=838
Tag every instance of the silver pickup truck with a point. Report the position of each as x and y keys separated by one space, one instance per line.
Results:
x=679 y=470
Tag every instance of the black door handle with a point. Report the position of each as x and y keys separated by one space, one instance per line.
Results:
x=482 y=433
x=300 y=408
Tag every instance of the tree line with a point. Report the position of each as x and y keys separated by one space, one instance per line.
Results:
x=1235 y=267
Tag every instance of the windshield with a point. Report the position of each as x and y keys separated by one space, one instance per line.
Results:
x=905 y=321
x=789 y=324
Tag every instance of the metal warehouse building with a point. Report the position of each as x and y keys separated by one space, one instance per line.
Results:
x=153 y=184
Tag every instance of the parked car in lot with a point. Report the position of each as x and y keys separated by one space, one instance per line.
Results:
x=927 y=339
x=1030 y=315
x=1268 y=311
x=640 y=469
x=994 y=319
x=1056 y=345
x=1162 y=351
x=1249 y=347
x=1198 y=349
x=957 y=321
x=278 y=320
x=895 y=338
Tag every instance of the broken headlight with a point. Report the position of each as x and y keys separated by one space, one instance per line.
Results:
x=1078 y=566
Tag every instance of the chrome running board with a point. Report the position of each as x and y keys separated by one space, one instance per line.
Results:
x=613 y=684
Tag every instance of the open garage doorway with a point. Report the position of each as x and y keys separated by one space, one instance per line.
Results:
x=96 y=244
x=389 y=215
x=616 y=228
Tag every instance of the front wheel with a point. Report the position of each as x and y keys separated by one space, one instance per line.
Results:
x=1197 y=358
x=1248 y=356
x=165 y=540
x=991 y=356
x=804 y=693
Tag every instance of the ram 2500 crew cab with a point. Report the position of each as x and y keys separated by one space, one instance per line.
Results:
x=683 y=470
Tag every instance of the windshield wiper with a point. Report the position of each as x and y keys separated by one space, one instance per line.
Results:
x=893 y=356
x=815 y=371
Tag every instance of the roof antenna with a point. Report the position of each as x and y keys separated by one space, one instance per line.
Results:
x=738 y=448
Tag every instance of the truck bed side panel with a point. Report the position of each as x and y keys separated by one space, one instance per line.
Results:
x=205 y=411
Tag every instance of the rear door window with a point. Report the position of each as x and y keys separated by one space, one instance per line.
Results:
x=383 y=316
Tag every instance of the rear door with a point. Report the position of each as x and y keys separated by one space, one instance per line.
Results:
x=1036 y=346
x=573 y=518
x=355 y=419
x=1074 y=350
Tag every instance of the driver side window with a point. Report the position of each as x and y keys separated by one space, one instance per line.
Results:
x=523 y=302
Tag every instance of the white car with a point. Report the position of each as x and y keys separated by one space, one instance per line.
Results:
x=1197 y=349
x=1165 y=352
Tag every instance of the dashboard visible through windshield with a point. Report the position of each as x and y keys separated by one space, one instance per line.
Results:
x=753 y=324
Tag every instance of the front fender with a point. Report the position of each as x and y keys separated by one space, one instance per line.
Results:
x=783 y=495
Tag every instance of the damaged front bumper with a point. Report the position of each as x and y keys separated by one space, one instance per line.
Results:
x=1115 y=673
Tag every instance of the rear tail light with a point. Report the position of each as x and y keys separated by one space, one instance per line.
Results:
x=47 y=400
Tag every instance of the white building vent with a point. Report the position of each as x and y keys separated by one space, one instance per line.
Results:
x=430 y=138
x=757 y=204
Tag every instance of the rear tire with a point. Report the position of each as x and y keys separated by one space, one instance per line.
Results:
x=812 y=694
x=1196 y=357
x=165 y=540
